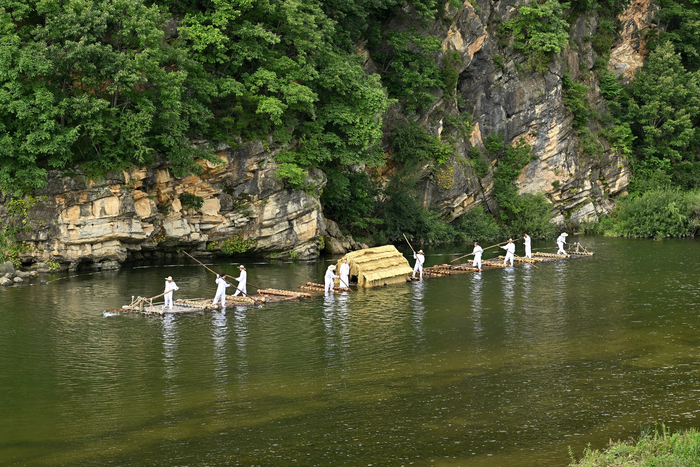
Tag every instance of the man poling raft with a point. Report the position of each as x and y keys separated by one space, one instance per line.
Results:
x=420 y=259
x=221 y=285
x=510 y=251
x=478 y=251
x=561 y=241
x=170 y=287
x=329 y=278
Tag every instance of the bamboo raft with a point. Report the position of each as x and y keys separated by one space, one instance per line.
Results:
x=147 y=306
x=313 y=287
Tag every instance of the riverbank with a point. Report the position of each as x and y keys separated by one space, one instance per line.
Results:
x=657 y=447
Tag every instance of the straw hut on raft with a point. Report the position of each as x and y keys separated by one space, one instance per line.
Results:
x=373 y=267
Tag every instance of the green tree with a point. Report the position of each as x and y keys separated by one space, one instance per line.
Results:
x=540 y=30
x=91 y=83
x=664 y=111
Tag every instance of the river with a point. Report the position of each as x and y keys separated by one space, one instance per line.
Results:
x=506 y=367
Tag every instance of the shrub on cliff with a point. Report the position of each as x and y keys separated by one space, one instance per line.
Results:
x=540 y=31
x=659 y=213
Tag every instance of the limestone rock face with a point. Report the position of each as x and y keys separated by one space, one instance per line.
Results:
x=503 y=94
x=630 y=51
x=141 y=211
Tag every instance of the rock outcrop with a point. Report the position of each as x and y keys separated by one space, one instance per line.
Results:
x=141 y=211
x=504 y=95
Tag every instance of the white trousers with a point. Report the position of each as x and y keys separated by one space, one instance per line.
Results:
x=241 y=288
x=328 y=284
x=223 y=298
x=477 y=262
x=168 y=300
x=344 y=281
x=561 y=251
x=418 y=267
x=510 y=256
x=528 y=251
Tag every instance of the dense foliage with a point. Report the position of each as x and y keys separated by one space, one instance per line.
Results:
x=97 y=85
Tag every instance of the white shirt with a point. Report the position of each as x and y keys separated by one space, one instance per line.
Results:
x=527 y=241
x=510 y=248
x=170 y=286
x=344 y=269
x=221 y=285
x=330 y=274
x=561 y=239
x=242 y=278
x=419 y=257
x=477 y=252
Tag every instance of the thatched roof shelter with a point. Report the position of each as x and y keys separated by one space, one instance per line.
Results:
x=377 y=266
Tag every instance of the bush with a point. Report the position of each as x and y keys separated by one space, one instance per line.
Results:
x=477 y=225
x=658 y=213
x=236 y=244
x=539 y=31
x=349 y=199
x=189 y=200
x=413 y=144
x=532 y=215
x=481 y=167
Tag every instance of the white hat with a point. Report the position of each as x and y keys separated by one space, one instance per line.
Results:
x=169 y=278
x=331 y=267
x=241 y=267
x=420 y=251
x=564 y=234
x=510 y=239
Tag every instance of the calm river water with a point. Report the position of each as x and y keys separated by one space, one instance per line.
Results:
x=503 y=368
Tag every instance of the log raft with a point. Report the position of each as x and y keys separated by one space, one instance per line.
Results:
x=147 y=306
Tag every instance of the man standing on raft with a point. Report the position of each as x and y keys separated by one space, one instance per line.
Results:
x=420 y=259
x=170 y=287
x=510 y=251
x=528 y=245
x=477 y=255
x=242 y=281
x=329 y=278
x=221 y=285
x=560 y=243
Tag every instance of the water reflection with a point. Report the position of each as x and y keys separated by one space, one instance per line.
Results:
x=503 y=367
x=418 y=312
x=335 y=320
x=240 y=328
x=220 y=334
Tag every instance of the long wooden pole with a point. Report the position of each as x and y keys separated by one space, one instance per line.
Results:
x=526 y=260
x=214 y=272
x=483 y=249
x=409 y=243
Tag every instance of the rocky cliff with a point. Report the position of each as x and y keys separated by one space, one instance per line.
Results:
x=139 y=213
x=503 y=95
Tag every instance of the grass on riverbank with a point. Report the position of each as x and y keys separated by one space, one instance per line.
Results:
x=654 y=448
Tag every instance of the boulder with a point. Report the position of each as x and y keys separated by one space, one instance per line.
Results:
x=18 y=280
x=7 y=267
x=5 y=281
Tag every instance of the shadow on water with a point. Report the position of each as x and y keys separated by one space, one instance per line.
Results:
x=502 y=367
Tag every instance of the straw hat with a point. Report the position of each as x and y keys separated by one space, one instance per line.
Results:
x=241 y=267
x=510 y=240
x=420 y=251
x=564 y=234
x=169 y=278
x=331 y=267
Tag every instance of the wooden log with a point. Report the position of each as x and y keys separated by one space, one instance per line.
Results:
x=286 y=293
